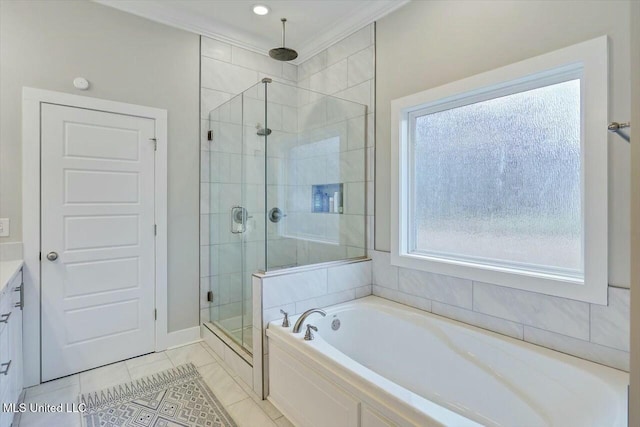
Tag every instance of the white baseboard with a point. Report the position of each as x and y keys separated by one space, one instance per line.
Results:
x=182 y=337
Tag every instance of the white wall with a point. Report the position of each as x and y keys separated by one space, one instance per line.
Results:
x=427 y=44
x=46 y=44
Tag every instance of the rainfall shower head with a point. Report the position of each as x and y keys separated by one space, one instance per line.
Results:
x=283 y=53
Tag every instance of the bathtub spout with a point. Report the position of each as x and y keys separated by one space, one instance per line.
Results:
x=303 y=317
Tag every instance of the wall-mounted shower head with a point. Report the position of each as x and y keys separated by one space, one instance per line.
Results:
x=283 y=53
x=262 y=131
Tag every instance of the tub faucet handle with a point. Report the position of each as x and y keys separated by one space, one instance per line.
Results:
x=285 y=321
x=308 y=336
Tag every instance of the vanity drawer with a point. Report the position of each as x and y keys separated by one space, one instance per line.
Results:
x=5 y=357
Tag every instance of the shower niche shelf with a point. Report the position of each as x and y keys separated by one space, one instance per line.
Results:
x=327 y=198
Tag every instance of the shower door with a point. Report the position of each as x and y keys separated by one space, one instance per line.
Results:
x=236 y=217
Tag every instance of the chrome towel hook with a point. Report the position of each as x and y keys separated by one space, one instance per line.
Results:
x=616 y=127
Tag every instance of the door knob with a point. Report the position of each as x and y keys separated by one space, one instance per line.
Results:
x=52 y=256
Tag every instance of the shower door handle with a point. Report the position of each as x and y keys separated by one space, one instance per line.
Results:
x=239 y=216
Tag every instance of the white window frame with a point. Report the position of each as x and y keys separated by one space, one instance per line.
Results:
x=591 y=59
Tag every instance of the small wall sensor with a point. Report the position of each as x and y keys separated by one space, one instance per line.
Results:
x=81 y=83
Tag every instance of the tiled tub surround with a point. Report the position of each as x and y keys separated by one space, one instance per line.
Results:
x=589 y=331
x=297 y=292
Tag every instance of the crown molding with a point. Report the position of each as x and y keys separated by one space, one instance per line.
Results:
x=345 y=28
x=159 y=12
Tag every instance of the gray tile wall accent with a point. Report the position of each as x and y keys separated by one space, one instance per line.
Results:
x=589 y=331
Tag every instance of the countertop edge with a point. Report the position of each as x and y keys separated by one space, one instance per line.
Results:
x=8 y=271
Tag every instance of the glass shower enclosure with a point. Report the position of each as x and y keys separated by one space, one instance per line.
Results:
x=284 y=185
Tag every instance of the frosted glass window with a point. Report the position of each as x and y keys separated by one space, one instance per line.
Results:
x=499 y=181
x=501 y=177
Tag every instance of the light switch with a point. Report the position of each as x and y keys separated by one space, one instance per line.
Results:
x=4 y=227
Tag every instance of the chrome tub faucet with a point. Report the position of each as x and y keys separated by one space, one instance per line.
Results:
x=303 y=317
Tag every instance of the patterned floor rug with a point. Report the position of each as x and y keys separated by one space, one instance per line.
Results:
x=177 y=397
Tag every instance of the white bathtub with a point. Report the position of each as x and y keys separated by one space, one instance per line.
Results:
x=389 y=364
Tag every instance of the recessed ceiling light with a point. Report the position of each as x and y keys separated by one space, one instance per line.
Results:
x=260 y=9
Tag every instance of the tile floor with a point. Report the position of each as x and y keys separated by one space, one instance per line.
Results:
x=239 y=400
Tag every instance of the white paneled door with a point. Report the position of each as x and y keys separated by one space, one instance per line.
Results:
x=97 y=238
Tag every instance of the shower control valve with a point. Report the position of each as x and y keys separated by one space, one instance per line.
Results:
x=285 y=321
x=276 y=214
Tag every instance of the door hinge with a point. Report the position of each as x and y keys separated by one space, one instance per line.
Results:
x=155 y=229
x=40 y=256
x=155 y=143
x=155 y=314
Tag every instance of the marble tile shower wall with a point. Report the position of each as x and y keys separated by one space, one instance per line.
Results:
x=346 y=70
x=593 y=332
x=227 y=71
x=330 y=150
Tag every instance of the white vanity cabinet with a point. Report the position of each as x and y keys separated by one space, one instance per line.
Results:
x=10 y=345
